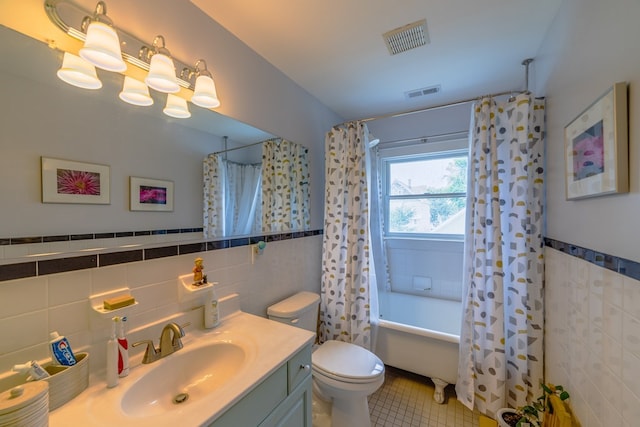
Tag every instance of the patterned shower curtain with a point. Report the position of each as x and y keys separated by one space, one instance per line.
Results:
x=501 y=351
x=285 y=186
x=345 y=298
x=213 y=214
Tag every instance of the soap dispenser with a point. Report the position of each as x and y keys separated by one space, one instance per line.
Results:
x=112 y=357
x=211 y=309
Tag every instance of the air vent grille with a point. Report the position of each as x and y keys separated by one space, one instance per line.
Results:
x=412 y=94
x=407 y=37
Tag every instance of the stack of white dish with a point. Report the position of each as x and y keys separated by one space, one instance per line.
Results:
x=66 y=382
x=25 y=405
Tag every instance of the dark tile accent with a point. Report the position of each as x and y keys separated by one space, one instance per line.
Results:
x=192 y=248
x=610 y=262
x=273 y=238
x=25 y=240
x=158 y=232
x=297 y=234
x=239 y=242
x=17 y=271
x=153 y=253
x=39 y=268
x=187 y=230
x=218 y=244
x=105 y=235
x=88 y=236
x=142 y=233
x=173 y=231
x=47 y=239
x=52 y=266
x=113 y=258
x=256 y=239
x=629 y=268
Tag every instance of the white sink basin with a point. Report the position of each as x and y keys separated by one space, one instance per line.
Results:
x=185 y=377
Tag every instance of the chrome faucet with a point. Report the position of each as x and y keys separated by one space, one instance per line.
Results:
x=170 y=342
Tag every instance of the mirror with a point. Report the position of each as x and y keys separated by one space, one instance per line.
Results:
x=42 y=116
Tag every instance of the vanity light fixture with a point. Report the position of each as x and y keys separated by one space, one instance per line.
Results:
x=204 y=94
x=102 y=45
x=162 y=72
x=176 y=107
x=112 y=49
x=135 y=92
x=78 y=72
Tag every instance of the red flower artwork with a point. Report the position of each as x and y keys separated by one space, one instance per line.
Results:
x=78 y=182
x=153 y=195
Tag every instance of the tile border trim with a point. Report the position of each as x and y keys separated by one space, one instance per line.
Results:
x=610 y=262
x=59 y=265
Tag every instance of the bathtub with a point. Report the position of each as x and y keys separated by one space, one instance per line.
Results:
x=420 y=335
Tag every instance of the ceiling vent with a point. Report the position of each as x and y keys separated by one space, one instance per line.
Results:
x=412 y=94
x=407 y=37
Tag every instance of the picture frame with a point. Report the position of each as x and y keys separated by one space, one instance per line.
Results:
x=148 y=194
x=596 y=147
x=69 y=181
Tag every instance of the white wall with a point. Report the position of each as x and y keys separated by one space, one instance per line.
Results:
x=590 y=46
x=592 y=321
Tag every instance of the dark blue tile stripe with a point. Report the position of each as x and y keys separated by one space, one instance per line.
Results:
x=610 y=262
x=52 y=266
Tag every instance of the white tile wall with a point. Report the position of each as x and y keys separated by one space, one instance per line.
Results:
x=31 y=308
x=592 y=338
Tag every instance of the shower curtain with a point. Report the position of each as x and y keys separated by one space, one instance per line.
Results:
x=501 y=351
x=345 y=289
x=213 y=189
x=285 y=186
x=242 y=198
x=232 y=197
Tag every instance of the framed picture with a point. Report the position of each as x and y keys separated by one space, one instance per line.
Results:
x=148 y=194
x=67 y=181
x=596 y=147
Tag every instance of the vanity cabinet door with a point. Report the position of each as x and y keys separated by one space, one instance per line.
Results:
x=295 y=411
x=299 y=368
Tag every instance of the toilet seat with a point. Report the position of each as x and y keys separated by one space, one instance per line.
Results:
x=346 y=362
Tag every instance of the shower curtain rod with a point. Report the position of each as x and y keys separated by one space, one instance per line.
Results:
x=435 y=107
x=246 y=146
x=426 y=139
x=526 y=62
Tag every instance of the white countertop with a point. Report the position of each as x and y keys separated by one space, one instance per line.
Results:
x=273 y=342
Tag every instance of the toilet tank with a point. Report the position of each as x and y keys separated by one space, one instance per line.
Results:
x=300 y=310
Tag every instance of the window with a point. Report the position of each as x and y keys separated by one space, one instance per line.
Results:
x=425 y=194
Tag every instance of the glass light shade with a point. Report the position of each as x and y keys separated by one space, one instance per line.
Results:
x=78 y=72
x=162 y=74
x=205 y=95
x=176 y=107
x=102 y=47
x=135 y=92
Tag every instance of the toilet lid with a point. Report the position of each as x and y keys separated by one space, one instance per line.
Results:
x=347 y=361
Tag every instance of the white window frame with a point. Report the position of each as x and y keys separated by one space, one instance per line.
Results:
x=453 y=147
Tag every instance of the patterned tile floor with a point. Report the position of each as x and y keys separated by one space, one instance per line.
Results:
x=406 y=400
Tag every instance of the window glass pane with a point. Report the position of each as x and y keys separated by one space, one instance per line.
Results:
x=428 y=176
x=438 y=215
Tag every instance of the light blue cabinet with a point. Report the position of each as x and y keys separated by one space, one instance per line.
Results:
x=282 y=400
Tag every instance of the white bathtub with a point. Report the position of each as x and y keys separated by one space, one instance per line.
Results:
x=420 y=335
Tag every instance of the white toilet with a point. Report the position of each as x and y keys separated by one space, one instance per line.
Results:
x=344 y=374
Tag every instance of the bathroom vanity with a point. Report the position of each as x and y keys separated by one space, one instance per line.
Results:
x=283 y=399
x=249 y=371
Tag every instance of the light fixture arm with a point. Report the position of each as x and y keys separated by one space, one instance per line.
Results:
x=62 y=12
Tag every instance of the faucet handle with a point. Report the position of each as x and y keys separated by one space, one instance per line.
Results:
x=150 y=354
